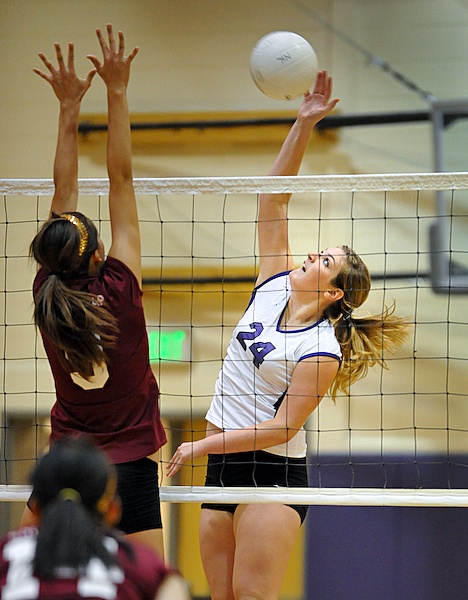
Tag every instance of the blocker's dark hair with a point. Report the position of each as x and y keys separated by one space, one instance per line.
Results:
x=76 y=322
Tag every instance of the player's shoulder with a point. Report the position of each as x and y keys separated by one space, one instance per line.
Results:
x=117 y=273
x=273 y=280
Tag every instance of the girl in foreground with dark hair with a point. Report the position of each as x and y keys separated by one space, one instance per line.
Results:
x=88 y=307
x=74 y=551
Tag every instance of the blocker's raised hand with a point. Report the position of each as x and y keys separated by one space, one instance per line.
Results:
x=67 y=86
x=115 y=67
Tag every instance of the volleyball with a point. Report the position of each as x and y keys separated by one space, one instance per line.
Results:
x=283 y=65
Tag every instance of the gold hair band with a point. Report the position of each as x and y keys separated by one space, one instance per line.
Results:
x=81 y=230
x=69 y=494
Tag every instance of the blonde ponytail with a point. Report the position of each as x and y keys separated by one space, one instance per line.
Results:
x=363 y=340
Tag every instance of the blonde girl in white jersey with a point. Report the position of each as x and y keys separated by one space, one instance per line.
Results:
x=261 y=402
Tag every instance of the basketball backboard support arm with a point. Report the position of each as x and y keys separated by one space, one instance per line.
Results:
x=446 y=275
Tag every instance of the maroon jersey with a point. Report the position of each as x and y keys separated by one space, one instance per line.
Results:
x=120 y=410
x=133 y=578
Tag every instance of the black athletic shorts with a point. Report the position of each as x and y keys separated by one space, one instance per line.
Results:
x=255 y=469
x=138 y=489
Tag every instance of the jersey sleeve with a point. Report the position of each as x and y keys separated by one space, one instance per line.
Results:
x=120 y=280
x=322 y=344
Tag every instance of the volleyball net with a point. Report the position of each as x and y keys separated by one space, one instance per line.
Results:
x=399 y=438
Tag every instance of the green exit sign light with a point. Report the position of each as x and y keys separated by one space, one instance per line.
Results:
x=168 y=344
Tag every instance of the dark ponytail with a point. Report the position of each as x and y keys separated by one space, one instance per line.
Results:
x=71 y=486
x=81 y=329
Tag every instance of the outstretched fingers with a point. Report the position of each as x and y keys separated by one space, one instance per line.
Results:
x=60 y=61
x=89 y=78
x=121 y=44
x=95 y=60
x=110 y=35
x=317 y=105
x=109 y=48
x=41 y=73
x=63 y=78
x=132 y=54
x=71 y=58
x=102 y=42
x=323 y=84
x=49 y=66
x=327 y=85
x=113 y=67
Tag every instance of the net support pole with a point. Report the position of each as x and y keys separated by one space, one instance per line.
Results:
x=443 y=278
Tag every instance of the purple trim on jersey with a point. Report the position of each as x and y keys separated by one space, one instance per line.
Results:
x=320 y=354
x=123 y=416
x=287 y=331
x=252 y=297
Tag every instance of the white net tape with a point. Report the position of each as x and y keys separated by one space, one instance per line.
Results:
x=311 y=496
x=203 y=185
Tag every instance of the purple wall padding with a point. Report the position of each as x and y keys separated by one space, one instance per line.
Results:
x=387 y=553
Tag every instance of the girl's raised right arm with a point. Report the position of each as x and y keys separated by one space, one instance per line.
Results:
x=274 y=250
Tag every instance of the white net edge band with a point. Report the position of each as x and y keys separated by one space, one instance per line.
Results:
x=307 y=496
x=301 y=183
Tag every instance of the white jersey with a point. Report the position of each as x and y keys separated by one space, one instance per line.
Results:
x=260 y=361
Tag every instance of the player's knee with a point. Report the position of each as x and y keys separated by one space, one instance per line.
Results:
x=249 y=591
x=215 y=520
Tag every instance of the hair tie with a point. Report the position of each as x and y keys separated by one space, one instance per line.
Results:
x=81 y=230
x=347 y=316
x=69 y=494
